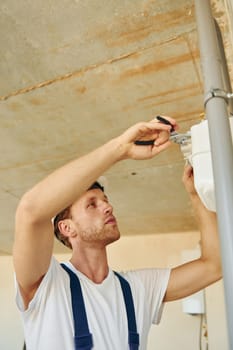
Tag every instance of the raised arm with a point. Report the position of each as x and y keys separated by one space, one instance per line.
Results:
x=33 y=228
x=193 y=276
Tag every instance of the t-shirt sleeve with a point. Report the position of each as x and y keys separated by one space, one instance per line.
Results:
x=44 y=285
x=154 y=283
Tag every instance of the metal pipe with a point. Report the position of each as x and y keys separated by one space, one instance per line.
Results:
x=221 y=146
x=226 y=75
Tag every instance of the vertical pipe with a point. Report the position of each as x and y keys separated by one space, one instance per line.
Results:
x=226 y=75
x=221 y=147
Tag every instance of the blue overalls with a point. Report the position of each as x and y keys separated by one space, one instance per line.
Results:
x=83 y=338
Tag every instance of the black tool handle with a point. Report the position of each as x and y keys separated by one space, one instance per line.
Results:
x=144 y=143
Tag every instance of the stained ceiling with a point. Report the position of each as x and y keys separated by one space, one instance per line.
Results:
x=75 y=74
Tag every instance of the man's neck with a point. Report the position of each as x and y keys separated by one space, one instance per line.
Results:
x=91 y=262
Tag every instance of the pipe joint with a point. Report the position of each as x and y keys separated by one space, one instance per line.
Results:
x=217 y=93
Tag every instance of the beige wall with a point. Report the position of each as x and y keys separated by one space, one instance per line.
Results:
x=11 y=337
x=176 y=331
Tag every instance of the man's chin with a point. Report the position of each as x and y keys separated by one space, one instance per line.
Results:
x=113 y=238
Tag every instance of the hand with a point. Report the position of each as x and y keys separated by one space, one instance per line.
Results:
x=152 y=130
x=188 y=180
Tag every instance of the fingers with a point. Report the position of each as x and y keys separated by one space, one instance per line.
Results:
x=169 y=119
x=148 y=131
x=151 y=130
x=156 y=125
x=159 y=148
x=188 y=180
x=163 y=136
x=188 y=171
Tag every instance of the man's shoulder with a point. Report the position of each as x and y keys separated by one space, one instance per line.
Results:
x=147 y=277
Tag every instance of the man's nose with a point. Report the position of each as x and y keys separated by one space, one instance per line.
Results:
x=108 y=209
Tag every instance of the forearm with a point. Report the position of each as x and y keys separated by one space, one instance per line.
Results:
x=195 y=275
x=207 y=223
x=62 y=187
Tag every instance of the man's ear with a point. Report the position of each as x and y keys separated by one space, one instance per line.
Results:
x=66 y=228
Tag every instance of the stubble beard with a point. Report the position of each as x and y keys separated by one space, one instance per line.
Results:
x=105 y=234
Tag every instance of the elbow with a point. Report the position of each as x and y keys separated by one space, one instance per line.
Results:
x=217 y=267
x=26 y=210
x=219 y=274
x=215 y=271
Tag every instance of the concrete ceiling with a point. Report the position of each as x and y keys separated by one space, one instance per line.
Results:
x=75 y=74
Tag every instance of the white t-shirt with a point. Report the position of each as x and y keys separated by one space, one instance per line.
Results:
x=48 y=321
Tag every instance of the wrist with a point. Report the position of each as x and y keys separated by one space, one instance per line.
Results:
x=195 y=199
x=197 y=203
x=120 y=149
x=117 y=149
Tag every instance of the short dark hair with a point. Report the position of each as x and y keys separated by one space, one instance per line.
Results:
x=65 y=214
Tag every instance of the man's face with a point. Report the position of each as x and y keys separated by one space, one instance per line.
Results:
x=93 y=218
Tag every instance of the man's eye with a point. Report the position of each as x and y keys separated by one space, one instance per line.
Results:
x=91 y=205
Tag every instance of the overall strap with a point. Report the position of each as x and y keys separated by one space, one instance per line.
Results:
x=82 y=337
x=129 y=305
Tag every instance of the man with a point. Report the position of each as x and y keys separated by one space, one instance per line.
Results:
x=86 y=224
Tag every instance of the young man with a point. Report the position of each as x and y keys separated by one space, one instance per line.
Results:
x=86 y=223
